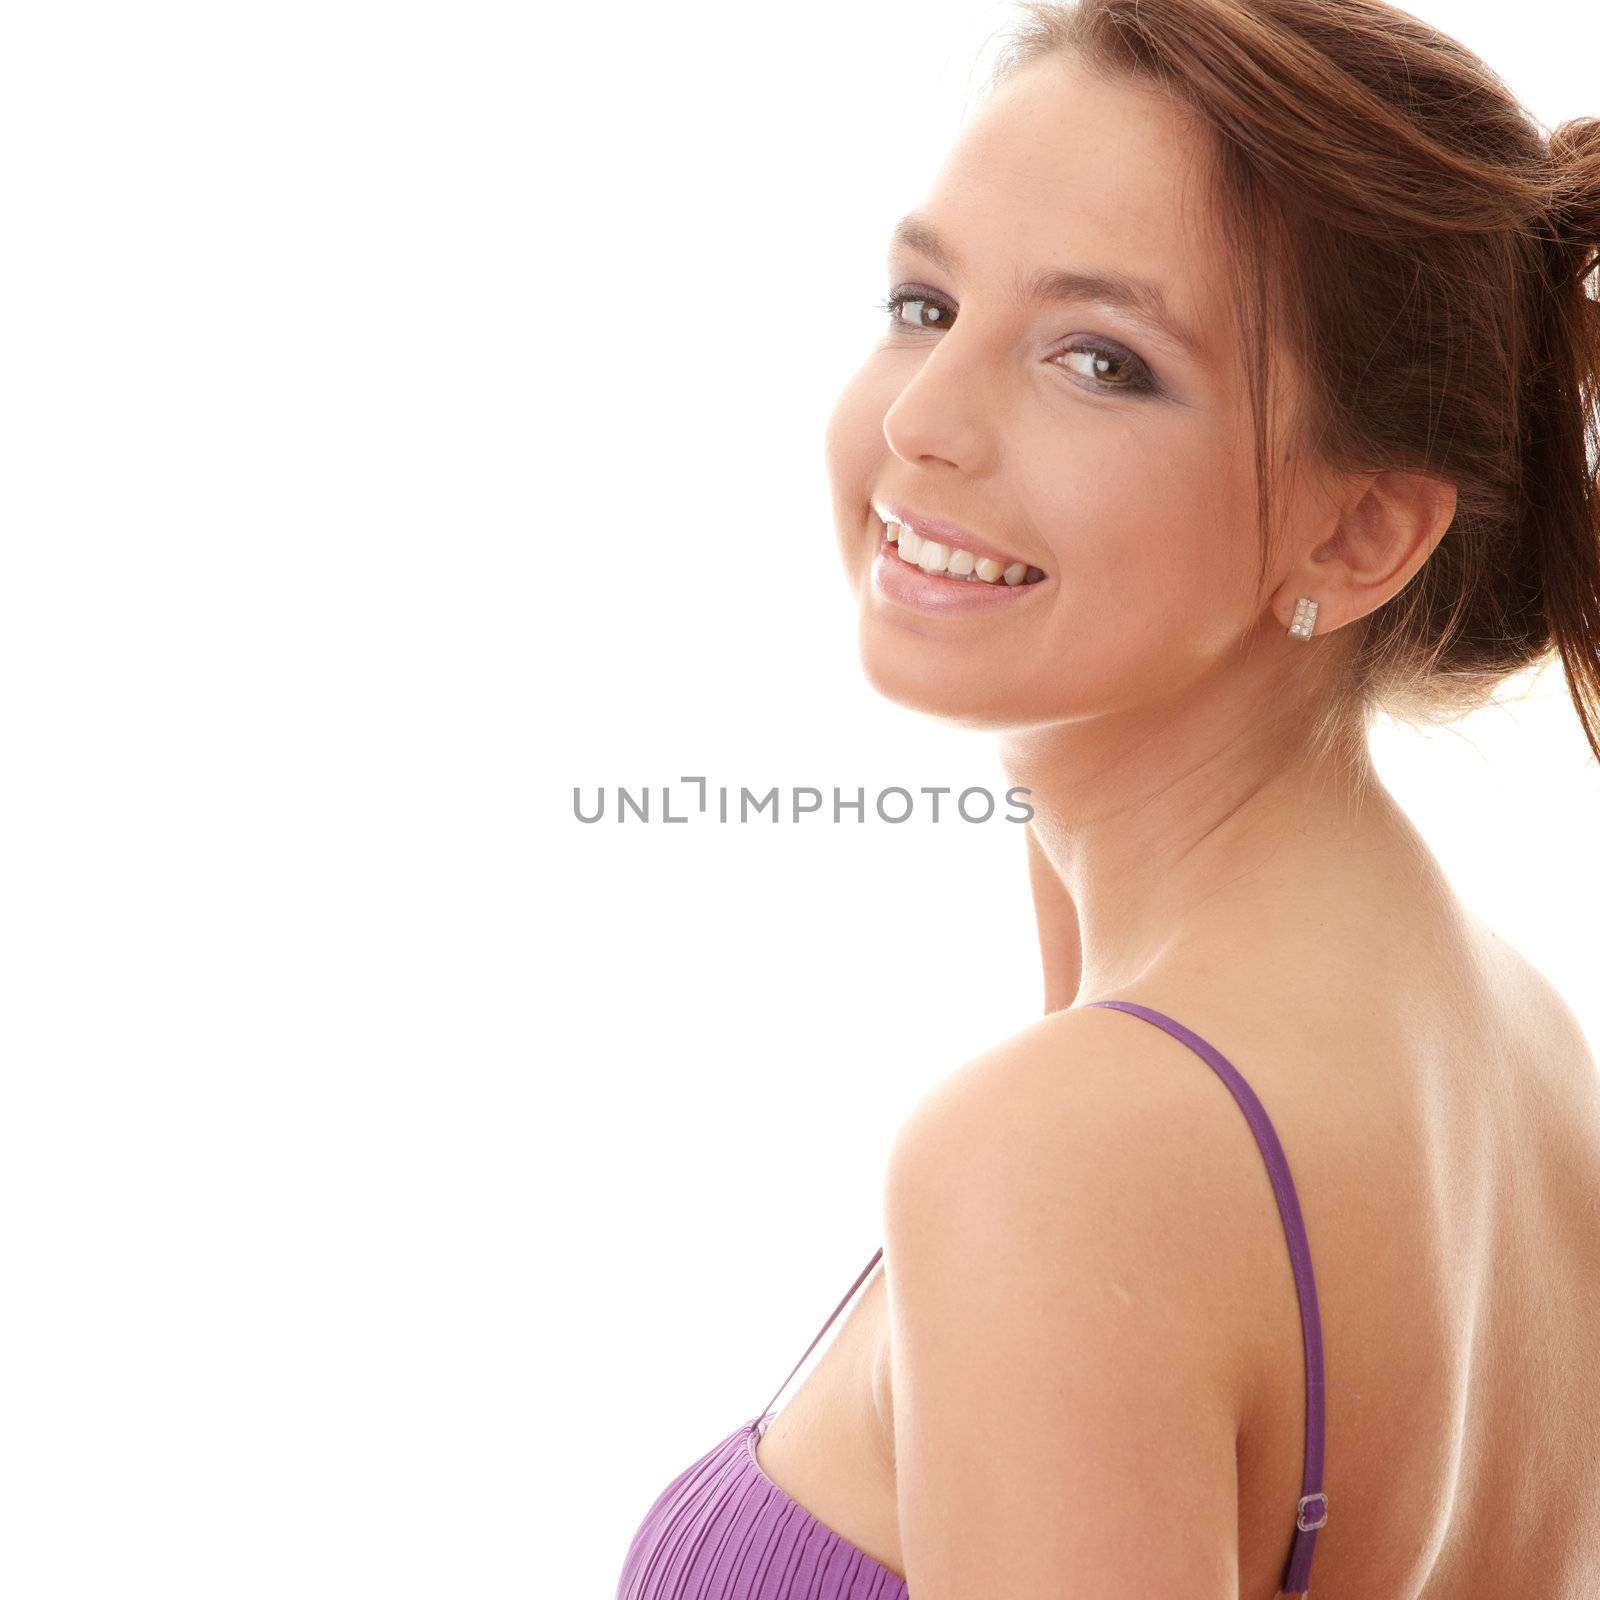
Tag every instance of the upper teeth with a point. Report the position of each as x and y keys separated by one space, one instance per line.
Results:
x=955 y=562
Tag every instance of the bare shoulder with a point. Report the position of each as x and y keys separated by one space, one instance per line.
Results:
x=1066 y=1071
x=1082 y=1250
x=1075 y=1150
x=1066 y=1321
x=1539 y=1006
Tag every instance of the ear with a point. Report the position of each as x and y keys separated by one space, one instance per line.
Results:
x=1386 y=527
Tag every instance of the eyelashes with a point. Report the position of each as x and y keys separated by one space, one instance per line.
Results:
x=1141 y=381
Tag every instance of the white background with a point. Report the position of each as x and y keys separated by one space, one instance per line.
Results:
x=412 y=412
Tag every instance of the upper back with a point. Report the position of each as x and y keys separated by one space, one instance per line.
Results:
x=1446 y=1156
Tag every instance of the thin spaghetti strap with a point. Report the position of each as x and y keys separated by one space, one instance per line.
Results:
x=766 y=1409
x=1312 y=1511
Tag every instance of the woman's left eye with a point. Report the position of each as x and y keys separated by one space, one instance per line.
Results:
x=1102 y=354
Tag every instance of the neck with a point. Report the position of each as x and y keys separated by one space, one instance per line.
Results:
x=1140 y=841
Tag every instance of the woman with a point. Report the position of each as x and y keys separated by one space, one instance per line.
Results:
x=1236 y=382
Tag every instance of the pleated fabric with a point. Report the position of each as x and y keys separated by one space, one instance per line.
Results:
x=723 y=1530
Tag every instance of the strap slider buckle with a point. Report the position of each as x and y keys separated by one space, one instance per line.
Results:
x=1300 y=1514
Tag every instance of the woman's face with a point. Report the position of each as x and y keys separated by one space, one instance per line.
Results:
x=1025 y=418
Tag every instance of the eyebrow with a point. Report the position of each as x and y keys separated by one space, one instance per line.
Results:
x=1137 y=297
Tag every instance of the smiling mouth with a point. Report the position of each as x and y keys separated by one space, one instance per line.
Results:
x=951 y=561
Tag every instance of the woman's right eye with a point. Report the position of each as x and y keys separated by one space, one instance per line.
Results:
x=935 y=312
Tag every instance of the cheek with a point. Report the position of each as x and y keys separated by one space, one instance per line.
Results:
x=1126 y=511
x=854 y=451
x=1154 y=543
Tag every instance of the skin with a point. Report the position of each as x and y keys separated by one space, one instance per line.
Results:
x=1437 y=1100
x=1140 y=699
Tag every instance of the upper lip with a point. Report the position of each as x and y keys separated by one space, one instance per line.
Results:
x=942 y=529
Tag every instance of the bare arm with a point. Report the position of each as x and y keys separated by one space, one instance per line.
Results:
x=1069 y=1370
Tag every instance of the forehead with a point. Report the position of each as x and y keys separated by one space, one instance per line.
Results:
x=1065 y=168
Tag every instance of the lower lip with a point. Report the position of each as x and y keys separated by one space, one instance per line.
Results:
x=906 y=584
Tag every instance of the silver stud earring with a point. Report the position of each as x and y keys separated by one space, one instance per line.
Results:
x=1305 y=619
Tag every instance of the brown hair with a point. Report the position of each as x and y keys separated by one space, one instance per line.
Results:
x=1428 y=253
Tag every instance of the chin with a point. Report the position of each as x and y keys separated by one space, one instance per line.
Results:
x=906 y=670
